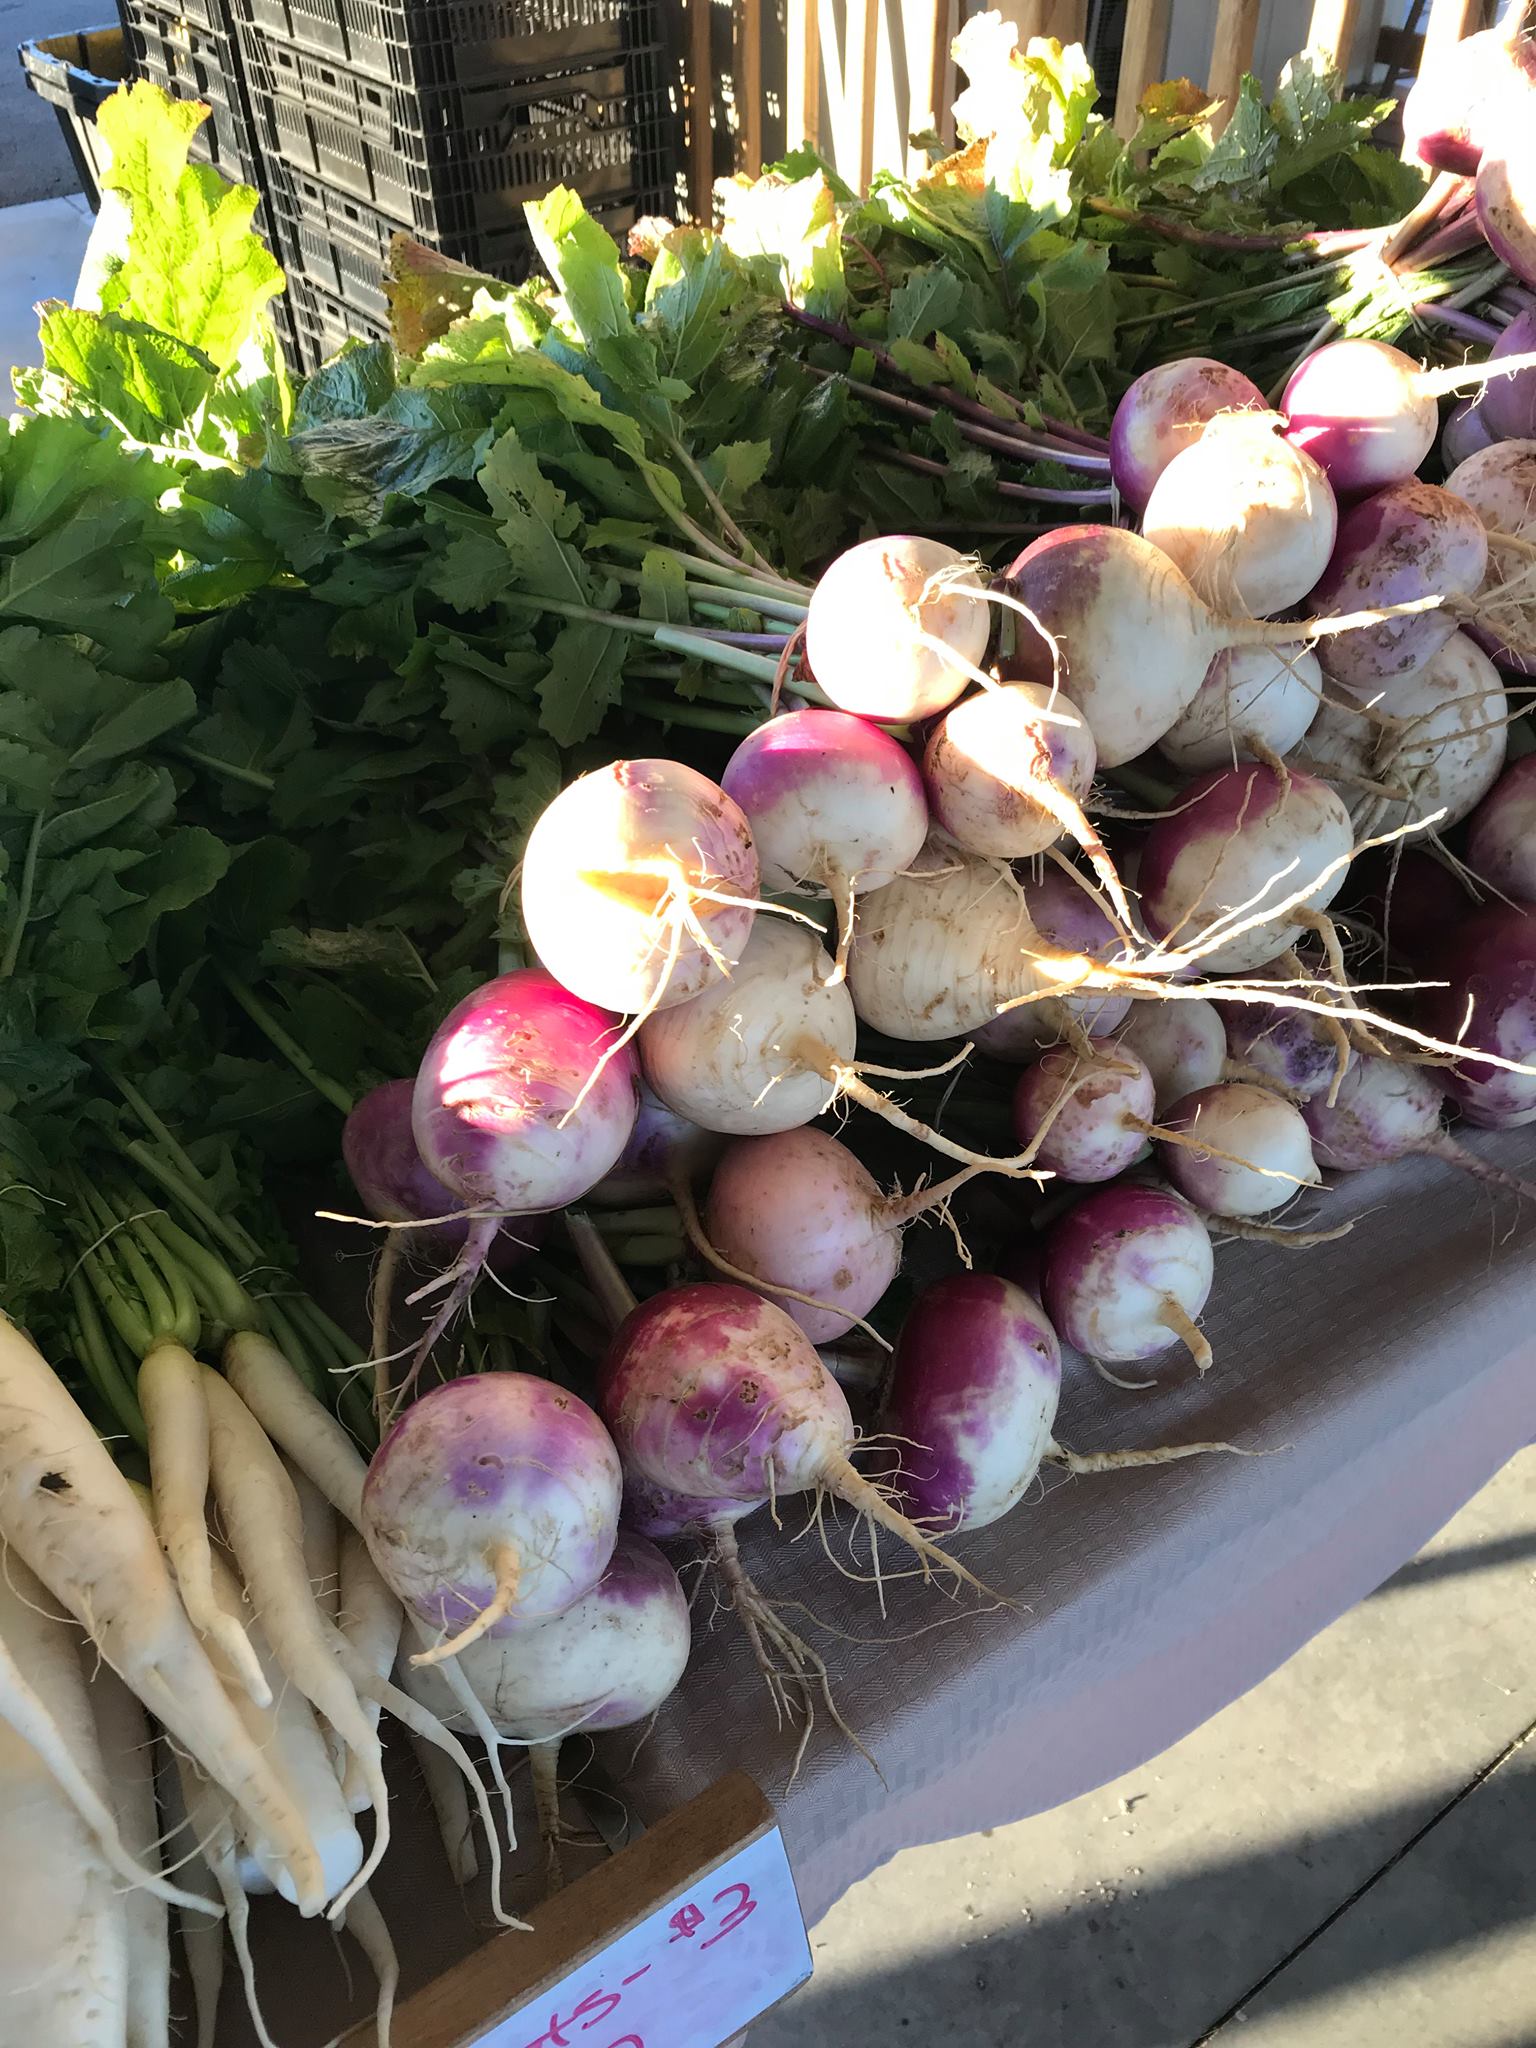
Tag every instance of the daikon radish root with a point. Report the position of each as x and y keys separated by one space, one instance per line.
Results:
x=128 y=1761
x=202 y=1937
x=365 y=1923
x=170 y=1392
x=303 y=1428
x=64 y=1931
x=70 y=1514
x=211 y=1819
x=261 y=1516
x=371 y=1619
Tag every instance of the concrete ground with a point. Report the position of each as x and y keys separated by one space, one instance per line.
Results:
x=41 y=246
x=1342 y=1859
x=34 y=162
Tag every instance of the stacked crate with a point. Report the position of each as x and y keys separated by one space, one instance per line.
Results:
x=439 y=118
x=358 y=119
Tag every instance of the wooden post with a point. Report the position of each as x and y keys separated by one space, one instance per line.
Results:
x=802 y=52
x=859 y=88
x=749 y=85
x=701 y=109
x=1066 y=20
x=1237 y=24
x=1143 y=55
x=1449 y=21
x=1331 y=34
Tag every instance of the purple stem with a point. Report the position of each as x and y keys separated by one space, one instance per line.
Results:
x=954 y=401
x=997 y=436
x=773 y=641
x=1467 y=325
x=1453 y=239
x=1078 y=436
x=1027 y=494
x=1334 y=242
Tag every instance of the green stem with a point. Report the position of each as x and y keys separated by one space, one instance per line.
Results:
x=186 y=1192
x=1316 y=272
x=99 y=1357
x=1145 y=788
x=673 y=638
x=712 y=499
x=23 y=900
x=219 y=1293
x=291 y=1345
x=647 y=1251
x=772 y=585
x=660 y=1216
x=186 y=1176
x=748 y=596
x=250 y=778
x=289 y=1047
x=674 y=711
x=685 y=525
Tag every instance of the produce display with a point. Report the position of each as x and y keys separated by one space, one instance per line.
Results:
x=777 y=833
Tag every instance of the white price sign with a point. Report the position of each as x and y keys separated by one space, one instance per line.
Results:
x=692 y=1974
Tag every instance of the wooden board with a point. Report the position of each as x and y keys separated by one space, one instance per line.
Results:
x=578 y=1927
x=1331 y=34
x=1237 y=25
x=748 y=18
x=701 y=111
x=1143 y=56
x=802 y=94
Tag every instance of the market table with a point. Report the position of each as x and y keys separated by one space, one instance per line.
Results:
x=1390 y=1374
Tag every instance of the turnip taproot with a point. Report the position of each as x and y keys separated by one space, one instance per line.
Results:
x=897 y=627
x=1166 y=410
x=1386 y=1110
x=1127 y=1272
x=835 y=805
x=639 y=885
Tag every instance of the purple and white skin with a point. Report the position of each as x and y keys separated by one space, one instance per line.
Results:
x=836 y=806
x=639 y=885
x=1087 y=1116
x=1459 y=103
x=1127 y=1272
x=524 y=1099
x=1264 y=694
x=493 y=1502
x=1489 y=1006
x=1506 y=198
x=663 y=1148
x=1166 y=410
x=971 y=1400
x=1067 y=916
x=1007 y=771
x=1182 y=1044
x=1501 y=840
x=1360 y=408
x=1499 y=483
x=1386 y=1110
x=1467 y=427
x=1505 y=408
x=1289 y=1049
x=896 y=627
x=797 y=1214
x=396 y=1186
x=1409 y=541
x=1238 y=841
x=714 y=1393
x=1260 y=1152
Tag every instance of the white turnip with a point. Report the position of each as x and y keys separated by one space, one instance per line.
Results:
x=1251 y=698
x=1183 y=1045
x=639 y=885
x=1087 y=1112
x=1248 y=516
x=1237 y=1150
x=897 y=627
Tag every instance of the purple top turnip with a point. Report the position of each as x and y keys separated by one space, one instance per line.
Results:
x=1251 y=697
x=897 y=627
x=1166 y=410
x=1240 y=843
x=1409 y=542
x=1291 y=1048
x=662 y=1148
x=1462 y=100
x=1506 y=196
x=1182 y=1042
x=971 y=1400
x=495 y=1106
x=1386 y=1110
x=1362 y=410
x=1489 y=1006
x=835 y=805
x=1127 y=1272
x=1467 y=427
x=639 y=885
x=1506 y=406
x=1088 y=1118
x=1499 y=483
x=380 y=1152
x=1501 y=840
x=492 y=1502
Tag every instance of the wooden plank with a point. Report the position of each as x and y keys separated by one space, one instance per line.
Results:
x=1449 y=21
x=701 y=108
x=1237 y=25
x=859 y=90
x=802 y=54
x=1143 y=56
x=1331 y=34
x=577 y=1924
x=1066 y=20
x=749 y=83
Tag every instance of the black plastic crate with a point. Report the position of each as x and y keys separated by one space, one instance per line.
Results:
x=194 y=61
x=426 y=43
x=75 y=73
x=341 y=244
x=314 y=323
x=461 y=160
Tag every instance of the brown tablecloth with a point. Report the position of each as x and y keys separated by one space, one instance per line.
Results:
x=1390 y=1374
